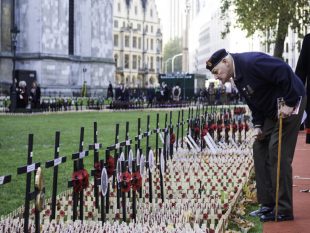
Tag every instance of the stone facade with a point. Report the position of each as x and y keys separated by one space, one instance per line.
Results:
x=43 y=45
x=137 y=43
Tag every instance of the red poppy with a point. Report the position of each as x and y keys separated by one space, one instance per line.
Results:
x=136 y=181
x=47 y=212
x=125 y=182
x=110 y=166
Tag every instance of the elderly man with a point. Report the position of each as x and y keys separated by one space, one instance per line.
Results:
x=262 y=80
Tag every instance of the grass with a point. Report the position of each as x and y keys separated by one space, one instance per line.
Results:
x=14 y=143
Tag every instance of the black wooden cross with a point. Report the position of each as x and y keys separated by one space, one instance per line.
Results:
x=182 y=131
x=147 y=134
x=55 y=163
x=161 y=176
x=165 y=140
x=139 y=137
x=78 y=165
x=178 y=129
x=28 y=169
x=5 y=179
x=157 y=131
x=170 y=133
x=96 y=146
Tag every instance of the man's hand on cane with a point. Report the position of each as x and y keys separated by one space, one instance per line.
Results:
x=258 y=133
x=285 y=110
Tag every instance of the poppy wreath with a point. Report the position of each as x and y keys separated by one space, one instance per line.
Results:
x=136 y=181
x=80 y=180
x=97 y=167
x=125 y=182
x=110 y=166
x=172 y=138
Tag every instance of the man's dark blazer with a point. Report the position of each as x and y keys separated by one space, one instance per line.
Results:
x=303 y=72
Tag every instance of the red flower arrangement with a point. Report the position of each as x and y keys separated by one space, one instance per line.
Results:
x=80 y=180
x=136 y=181
x=125 y=182
x=110 y=166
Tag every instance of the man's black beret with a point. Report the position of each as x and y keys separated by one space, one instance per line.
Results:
x=215 y=59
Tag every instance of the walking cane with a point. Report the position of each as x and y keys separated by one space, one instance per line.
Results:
x=278 y=167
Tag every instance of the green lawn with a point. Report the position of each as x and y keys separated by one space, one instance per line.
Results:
x=14 y=142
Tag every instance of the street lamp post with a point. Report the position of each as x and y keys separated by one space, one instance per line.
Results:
x=14 y=33
x=173 y=58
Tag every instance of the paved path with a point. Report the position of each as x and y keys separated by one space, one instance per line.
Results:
x=301 y=181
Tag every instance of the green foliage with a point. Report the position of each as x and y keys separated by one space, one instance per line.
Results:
x=270 y=17
x=84 y=89
x=173 y=47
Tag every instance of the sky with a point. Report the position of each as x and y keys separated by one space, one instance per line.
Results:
x=164 y=12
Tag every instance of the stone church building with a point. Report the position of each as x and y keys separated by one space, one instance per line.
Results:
x=60 y=43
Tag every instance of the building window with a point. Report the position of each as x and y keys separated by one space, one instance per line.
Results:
x=115 y=23
x=152 y=44
x=71 y=27
x=115 y=40
x=127 y=61
x=134 y=42
x=134 y=62
x=119 y=7
x=152 y=29
x=152 y=63
x=139 y=27
x=139 y=43
x=136 y=10
x=127 y=42
x=151 y=12
x=147 y=44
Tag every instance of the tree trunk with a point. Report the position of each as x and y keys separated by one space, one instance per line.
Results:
x=281 y=34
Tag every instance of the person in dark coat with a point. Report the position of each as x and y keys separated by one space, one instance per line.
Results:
x=35 y=95
x=303 y=72
x=110 y=91
x=262 y=80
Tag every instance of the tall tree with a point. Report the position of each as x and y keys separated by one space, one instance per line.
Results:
x=173 y=47
x=272 y=17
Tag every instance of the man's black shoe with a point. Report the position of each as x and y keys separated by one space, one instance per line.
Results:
x=271 y=217
x=262 y=210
